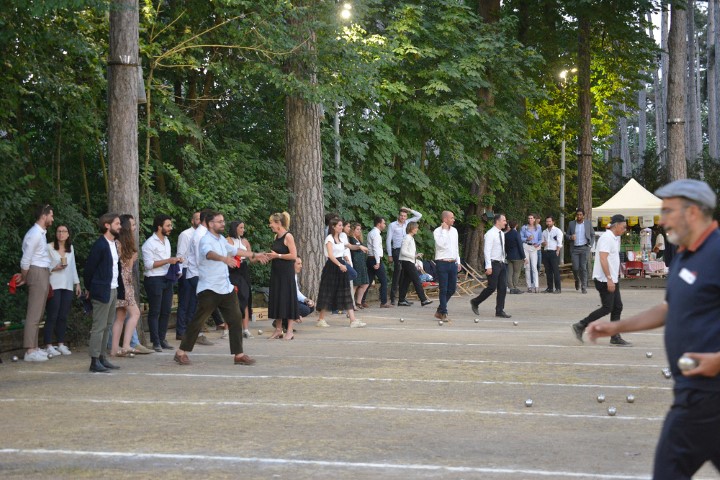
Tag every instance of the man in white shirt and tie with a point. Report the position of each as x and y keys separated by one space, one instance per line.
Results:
x=375 y=266
x=447 y=261
x=494 y=252
x=552 y=243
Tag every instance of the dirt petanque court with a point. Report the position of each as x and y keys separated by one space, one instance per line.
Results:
x=395 y=400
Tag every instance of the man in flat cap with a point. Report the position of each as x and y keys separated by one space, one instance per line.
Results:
x=691 y=316
x=606 y=276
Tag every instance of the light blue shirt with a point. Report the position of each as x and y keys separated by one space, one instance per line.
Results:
x=396 y=232
x=580 y=234
x=536 y=233
x=214 y=275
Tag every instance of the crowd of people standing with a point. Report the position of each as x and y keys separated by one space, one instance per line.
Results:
x=211 y=266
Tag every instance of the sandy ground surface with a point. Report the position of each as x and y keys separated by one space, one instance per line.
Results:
x=395 y=400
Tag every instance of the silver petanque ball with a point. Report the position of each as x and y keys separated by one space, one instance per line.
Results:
x=402 y=320
x=50 y=355
x=14 y=358
x=686 y=363
x=648 y=354
x=131 y=355
x=440 y=322
x=477 y=320
x=529 y=402
x=259 y=332
x=515 y=323
x=666 y=373
x=630 y=398
x=612 y=411
x=601 y=398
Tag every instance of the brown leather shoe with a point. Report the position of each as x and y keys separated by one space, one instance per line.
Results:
x=243 y=359
x=386 y=305
x=222 y=326
x=182 y=359
x=365 y=305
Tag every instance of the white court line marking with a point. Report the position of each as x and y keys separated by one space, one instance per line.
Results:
x=517 y=329
x=317 y=463
x=377 y=408
x=446 y=360
x=457 y=344
x=354 y=379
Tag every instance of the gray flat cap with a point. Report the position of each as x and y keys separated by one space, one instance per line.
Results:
x=694 y=190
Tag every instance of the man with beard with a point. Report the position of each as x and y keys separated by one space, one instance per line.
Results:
x=35 y=272
x=103 y=286
x=156 y=252
x=691 y=432
x=214 y=290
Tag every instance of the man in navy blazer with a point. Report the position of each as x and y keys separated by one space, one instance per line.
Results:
x=103 y=286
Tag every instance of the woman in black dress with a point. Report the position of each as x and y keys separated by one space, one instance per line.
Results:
x=334 y=291
x=359 y=258
x=282 y=304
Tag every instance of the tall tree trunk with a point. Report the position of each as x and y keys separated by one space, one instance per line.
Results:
x=584 y=106
x=624 y=145
x=615 y=157
x=642 y=125
x=123 y=167
x=489 y=10
x=659 y=100
x=664 y=66
x=123 y=195
x=677 y=48
x=304 y=162
x=712 y=99
x=693 y=139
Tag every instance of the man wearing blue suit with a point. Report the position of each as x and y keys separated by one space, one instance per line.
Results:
x=103 y=286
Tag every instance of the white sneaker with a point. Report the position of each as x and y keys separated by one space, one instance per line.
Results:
x=322 y=323
x=52 y=351
x=224 y=334
x=36 y=356
x=247 y=334
x=42 y=352
x=64 y=350
x=357 y=324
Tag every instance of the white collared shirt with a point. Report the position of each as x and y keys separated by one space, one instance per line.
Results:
x=396 y=232
x=214 y=275
x=115 y=258
x=446 y=244
x=154 y=250
x=34 y=247
x=494 y=248
x=184 y=241
x=374 y=244
x=553 y=238
x=192 y=252
x=609 y=244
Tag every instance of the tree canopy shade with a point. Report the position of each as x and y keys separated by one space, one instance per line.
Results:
x=442 y=105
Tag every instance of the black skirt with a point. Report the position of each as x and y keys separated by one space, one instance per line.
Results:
x=334 y=293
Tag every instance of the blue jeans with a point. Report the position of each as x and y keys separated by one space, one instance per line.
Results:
x=447 y=278
x=382 y=278
x=159 y=291
x=57 y=310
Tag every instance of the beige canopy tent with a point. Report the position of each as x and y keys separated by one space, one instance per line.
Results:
x=632 y=201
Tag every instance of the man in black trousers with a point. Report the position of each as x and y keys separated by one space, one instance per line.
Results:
x=495 y=268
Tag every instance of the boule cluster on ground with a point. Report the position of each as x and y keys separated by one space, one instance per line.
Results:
x=394 y=400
